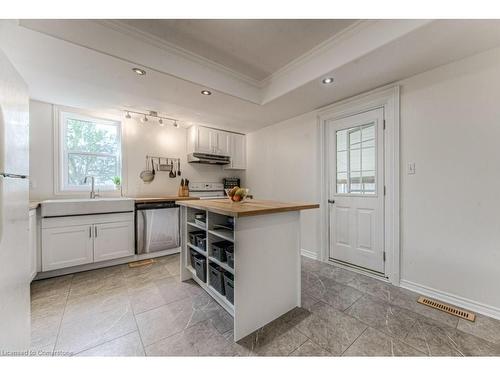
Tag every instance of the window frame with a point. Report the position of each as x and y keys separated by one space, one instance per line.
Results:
x=61 y=186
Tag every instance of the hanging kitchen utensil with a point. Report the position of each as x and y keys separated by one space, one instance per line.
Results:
x=164 y=166
x=153 y=166
x=178 y=167
x=172 y=174
x=146 y=175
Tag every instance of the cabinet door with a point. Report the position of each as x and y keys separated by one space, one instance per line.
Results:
x=113 y=240
x=33 y=238
x=238 y=152
x=223 y=143
x=66 y=246
x=204 y=140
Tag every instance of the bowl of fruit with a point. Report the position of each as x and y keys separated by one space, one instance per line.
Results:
x=236 y=194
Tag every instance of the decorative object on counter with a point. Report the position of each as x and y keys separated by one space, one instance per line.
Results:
x=144 y=117
x=146 y=175
x=117 y=181
x=237 y=194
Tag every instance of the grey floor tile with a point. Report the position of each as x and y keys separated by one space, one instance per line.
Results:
x=277 y=338
x=143 y=275
x=377 y=288
x=337 y=274
x=129 y=345
x=437 y=339
x=201 y=339
x=374 y=343
x=96 y=281
x=310 y=349
x=92 y=320
x=337 y=295
x=308 y=279
x=307 y=300
x=389 y=319
x=174 y=317
x=484 y=327
x=327 y=327
x=145 y=297
x=171 y=289
x=58 y=286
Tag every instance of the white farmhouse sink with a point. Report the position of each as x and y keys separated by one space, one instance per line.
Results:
x=70 y=207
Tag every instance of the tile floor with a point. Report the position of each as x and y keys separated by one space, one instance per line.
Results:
x=124 y=311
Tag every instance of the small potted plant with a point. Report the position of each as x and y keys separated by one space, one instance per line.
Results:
x=118 y=182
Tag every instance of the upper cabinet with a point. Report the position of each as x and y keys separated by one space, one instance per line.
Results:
x=218 y=142
x=208 y=141
x=237 y=151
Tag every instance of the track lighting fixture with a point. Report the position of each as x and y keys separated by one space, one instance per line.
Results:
x=152 y=114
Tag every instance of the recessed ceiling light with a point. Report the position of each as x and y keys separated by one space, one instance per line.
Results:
x=327 y=80
x=139 y=71
x=206 y=92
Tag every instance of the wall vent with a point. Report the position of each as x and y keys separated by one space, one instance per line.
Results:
x=447 y=308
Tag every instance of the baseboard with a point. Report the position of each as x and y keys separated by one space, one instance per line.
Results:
x=309 y=254
x=462 y=302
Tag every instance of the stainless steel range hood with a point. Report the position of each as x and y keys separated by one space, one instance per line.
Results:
x=197 y=157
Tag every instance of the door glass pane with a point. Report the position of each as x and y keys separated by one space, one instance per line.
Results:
x=356 y=160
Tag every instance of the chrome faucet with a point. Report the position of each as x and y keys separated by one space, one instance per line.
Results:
x=93 y=194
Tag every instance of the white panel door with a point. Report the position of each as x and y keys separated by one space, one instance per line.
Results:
x=356 y=189
x=113 y=240
x=66 y=246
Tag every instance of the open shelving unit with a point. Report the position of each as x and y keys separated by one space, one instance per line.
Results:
x=213 y=234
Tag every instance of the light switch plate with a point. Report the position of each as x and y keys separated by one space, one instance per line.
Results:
x=411 y=168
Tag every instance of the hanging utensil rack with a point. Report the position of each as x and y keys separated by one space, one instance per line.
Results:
x=162 y=161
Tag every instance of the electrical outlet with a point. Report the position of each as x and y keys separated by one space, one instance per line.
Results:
x=411 y=168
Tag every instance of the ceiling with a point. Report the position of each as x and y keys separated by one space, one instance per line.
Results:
x=255 y=48
x=87 y=64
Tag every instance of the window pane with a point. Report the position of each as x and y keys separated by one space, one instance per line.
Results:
x=368 y=132
x=91 y=137
x=341 y=161
x=355 y=182
x=342 y=183
x=342 y=140
x=103 y=168
x=355 y=160
x=368 y=158
x=354 y=137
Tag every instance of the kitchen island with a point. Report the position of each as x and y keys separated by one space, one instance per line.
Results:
x=265 y=264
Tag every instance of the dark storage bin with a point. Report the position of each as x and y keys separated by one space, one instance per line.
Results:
x=230 y=256
x=229 y=286
x=216 y=278
x=193 y=236
x=200 y=265
x=219 y=249
x=193 y=254
x=201 y=242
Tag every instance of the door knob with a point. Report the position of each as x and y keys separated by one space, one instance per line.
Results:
x=331 y=201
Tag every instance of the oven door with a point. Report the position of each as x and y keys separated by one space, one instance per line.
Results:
x=157 y=229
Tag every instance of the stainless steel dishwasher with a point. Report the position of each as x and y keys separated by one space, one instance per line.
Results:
x=156 y=226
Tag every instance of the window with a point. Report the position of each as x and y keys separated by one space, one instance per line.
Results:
x=88 y=147
x=356 y=160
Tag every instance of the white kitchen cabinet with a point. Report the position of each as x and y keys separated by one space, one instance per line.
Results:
x=76 y=240
x=33 y=242
x=208 y=141
x=237 y=152
x=112 y=240
x=66 y=246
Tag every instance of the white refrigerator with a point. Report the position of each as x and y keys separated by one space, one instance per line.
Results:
x=14 y=197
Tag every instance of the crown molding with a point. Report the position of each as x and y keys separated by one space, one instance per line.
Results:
x=174 y=49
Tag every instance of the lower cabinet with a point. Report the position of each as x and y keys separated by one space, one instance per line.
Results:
x=66 y=247
x=112 y=240
x=74 y=241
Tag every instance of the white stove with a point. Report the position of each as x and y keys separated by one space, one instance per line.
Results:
x=207 y=190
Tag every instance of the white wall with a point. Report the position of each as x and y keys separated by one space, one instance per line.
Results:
x=450 y=127
x=139 y=140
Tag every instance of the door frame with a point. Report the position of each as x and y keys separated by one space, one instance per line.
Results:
x=386 y=97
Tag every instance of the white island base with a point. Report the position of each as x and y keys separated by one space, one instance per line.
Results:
x=266 y=264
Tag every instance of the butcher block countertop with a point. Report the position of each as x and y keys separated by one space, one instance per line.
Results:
x=161 y=199
x=250 y=207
